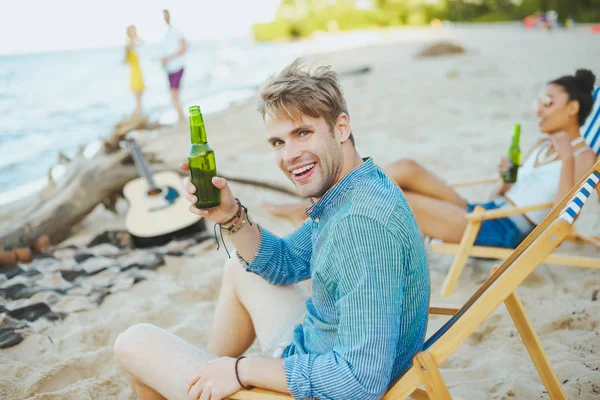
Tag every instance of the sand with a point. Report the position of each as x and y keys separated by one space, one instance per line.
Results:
x=453 y=114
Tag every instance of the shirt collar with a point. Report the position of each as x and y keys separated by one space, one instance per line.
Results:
x=316 y=209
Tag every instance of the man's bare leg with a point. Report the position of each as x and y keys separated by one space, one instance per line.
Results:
x=437 y=218
x=159 y=365
x=254 y=306
x=224 y=341
x=412 y=177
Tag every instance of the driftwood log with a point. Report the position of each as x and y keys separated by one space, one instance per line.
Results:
x=60 y=206
x=86 y=183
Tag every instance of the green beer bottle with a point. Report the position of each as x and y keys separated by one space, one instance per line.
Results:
x=202 y=163
x=514 y=156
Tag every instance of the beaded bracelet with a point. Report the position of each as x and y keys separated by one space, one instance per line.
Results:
x=236 y=228
x=233 y=225
x=236 y=215
x=239 y=221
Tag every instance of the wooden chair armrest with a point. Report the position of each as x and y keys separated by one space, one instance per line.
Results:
x=438 y=309
x=496 y=214
x=260 y=394
x=475 y=182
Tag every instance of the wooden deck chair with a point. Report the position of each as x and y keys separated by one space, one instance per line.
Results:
x=499 y=287
x=466 y=247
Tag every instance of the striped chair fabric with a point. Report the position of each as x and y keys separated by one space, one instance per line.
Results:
x=591 y=129
x=587 y=188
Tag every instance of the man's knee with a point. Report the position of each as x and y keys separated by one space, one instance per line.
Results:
x=407 y=164
x=232 y=270
x=130 y=342
x=404 y=168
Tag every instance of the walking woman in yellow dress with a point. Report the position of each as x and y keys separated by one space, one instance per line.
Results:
x=136 y=80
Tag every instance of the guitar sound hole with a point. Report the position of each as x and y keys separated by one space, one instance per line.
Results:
x=154 y=192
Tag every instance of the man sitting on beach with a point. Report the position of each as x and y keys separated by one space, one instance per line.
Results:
x=352 y=334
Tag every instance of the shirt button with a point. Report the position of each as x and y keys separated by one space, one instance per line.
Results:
x=317 y=219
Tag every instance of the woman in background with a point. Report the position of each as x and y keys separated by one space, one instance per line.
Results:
x=549 y=171
x=136 y=80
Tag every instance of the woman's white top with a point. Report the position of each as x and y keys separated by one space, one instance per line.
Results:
x=538 y=180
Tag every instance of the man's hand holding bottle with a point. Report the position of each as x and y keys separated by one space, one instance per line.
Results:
x=222 y=212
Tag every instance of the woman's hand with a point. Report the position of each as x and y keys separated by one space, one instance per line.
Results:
x=562 y=144
x=222 y=212
x=503 y=166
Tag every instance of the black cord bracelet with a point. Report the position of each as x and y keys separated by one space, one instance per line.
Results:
x=249 y=387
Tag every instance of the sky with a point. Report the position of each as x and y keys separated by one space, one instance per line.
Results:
x=43 y=25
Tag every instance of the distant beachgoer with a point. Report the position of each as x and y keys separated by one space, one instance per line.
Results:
x=136 y=80
x=529 y=21
x=173 y=49
x=570 y=22
x=543 y=19
x=552 y=17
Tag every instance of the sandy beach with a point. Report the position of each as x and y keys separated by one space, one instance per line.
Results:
x=453 y=114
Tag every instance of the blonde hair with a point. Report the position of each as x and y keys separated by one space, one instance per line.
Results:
x=294 y=92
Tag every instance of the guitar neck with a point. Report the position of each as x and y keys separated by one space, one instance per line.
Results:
x=141 y=164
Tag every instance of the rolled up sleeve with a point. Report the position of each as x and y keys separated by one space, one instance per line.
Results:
x=283 y=261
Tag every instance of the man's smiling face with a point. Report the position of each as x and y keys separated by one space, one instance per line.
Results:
x=307 y=152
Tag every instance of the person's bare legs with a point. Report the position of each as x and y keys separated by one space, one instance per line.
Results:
x=437 y=218
x=224 y=341
x=159 y=365
x=412 y=177
x=177 y=105
x=293 y=212
x=138 y=103
x=254 y=306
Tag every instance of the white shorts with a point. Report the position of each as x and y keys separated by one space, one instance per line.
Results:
x=275 y=346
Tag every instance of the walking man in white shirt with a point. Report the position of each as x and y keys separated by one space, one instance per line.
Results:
x=173 y=49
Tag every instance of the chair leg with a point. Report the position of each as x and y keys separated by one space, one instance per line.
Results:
x=462 y=253
x=534 y=347
x=430 y=376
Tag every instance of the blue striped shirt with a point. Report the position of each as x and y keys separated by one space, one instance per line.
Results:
x=367 y=315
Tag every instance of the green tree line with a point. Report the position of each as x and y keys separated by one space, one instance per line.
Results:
x=301 y=18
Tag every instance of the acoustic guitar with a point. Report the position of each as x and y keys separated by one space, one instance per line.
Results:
x=158 y=212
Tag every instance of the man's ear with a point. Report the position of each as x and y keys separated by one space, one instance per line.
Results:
x=573 y=108
x=342 y=127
